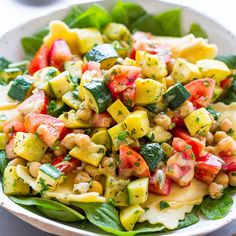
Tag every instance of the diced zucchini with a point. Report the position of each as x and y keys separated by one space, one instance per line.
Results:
x=91 y=154
x=175 y=96
x=156 y=107
x=101 y=136
x=10 y=74
x=49 y=177
x=116 y=31
x=72 y=121
x=129 y=62
x=71 y=98
x=122 y=48
x=214 y=69
x=29 y=146
x=56 y=108
x=20 y=87
x=152 y=154
x=20 y=64
x=75 y=68
x=217 y=93
x=105 y=54
x=97 y=95
x=130 y=215
x=159 y=134
x=61 y=84
x=148 y=91
x=137 y=124
x=3 y=141
x=118 y=111
x=116 y=190
x=12 y=184
x=88 y=38
x=198 y=122
x=153 y=67
x=184 y=72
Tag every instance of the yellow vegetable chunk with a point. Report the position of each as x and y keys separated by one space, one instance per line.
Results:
x=70 y=100
x=118 y=110
x=91 y=154
x=129 y=62
x=12 y=184
x=137 y=124
x=159 y=134
x=152 y=66
x=101 y=136
x=184 y=71
x=214 y=69
x=29 y=146
x=217 y=93
x=198 y=122
x=3 y=141
x=148 y=91
x=5 y=101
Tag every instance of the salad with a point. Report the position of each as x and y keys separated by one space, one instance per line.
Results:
x=119 y=121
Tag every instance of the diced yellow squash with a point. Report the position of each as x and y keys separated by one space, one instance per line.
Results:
x=101 y=136
x=148 y=91
x=137 y=124
x=129 y=62
x=217 y=93
x=118 y=110
x=152 y=66
x=12 y=184
x=5 y=101
x=29 y=146
x=91 y=154
x=3 y=141
x=119 y=135
x=184 y=71
x=70 y=100
x=72 y=121
x=130 y=215
x=198 y=122
x=214 y=69
x=159 y=134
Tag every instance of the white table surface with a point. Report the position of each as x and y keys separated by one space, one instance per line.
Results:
x=13 y=12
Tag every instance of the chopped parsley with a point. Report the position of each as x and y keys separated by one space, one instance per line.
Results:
x=164 y=205
x=122 y=135
x=230 y=132
x=67 y=158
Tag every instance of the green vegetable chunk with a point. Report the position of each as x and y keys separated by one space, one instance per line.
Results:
x=3 y=161
x=198 y=31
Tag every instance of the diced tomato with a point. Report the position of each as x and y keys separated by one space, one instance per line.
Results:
x=40 y=60
x=128 y=96
x=36 y=103
x=13 y=126
x=66 y=166
x=201 y=92
x=91 y=65
x=230 y=163
x=207 y=167
x=10 y=150
x=102 y=120
x=225 y=84
x=196 y=144
x=59 y=54
x=178 y=121
x=132 y=163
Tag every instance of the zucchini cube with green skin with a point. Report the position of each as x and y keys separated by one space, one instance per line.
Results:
x=101 y=136
x=12 y=184
x=119 y=135
x=175 y=96
x=153 y=67
x=198 y=122
x=159 y=134
x=56 y=108
x=20 y=87
x=61 y=84
x=184 y=72
x=138 y=191
x=10 y=74
x=49 y=177
x=130 y=215
x=71 y=99
x=137 y=124
x=3 y=141
x=88 y=38
x=74 y=68
x=217 y=93
x=116 y=190
x=97 y=95
x=122 y=48
x=118 y=111
x=148 y=91
x=29 y=146
x=91 y=154
x=105 y=54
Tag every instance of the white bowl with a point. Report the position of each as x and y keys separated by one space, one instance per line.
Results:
x=10 y=48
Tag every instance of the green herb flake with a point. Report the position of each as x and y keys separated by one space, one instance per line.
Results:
x=164 y=205
x=122 y=135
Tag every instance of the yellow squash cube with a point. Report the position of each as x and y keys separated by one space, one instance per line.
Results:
x=101 y=136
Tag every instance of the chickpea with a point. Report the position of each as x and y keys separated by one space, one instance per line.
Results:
x=69 y=141
x=232 y=178
x=226 y=144
x=210 y=149
x=186 y=108
x=139 y=108
x=219 y=135
x=226 y=125
x=34 y=168
x=61 y=150
x=210 y=138
x=82 y=176
x=170 y=65
x=109 y=165
x=17 y=161
x=92 y=170
x=214 y=126
x=47 y=158
x=215 y=190
x=84 y=112
x=223 y=179
x=95 y=186
x=163 y=120
x=82 y=187
x=82 y=140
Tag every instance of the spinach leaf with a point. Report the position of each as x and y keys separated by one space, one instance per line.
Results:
x=190 y=219
x=229 y=60
x=42 y=33
x=31 y=45
x=3 y=63
x=214 y=113
x=52 y=209
x=216 y=209
x=3 y=161
x=230 y=190
x=71 y=16
x=198 y=31
x=230 y=96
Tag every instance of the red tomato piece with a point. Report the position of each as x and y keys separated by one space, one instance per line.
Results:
x=66 y=166
x=226 y=83
x=207 y=167
x=91 y=65
x=230 y=163
x=132 y=163
x=201 y=92
x=13 y=126
x=40 y=60
x=128 y=96
x=59 y=54
x=102 y=120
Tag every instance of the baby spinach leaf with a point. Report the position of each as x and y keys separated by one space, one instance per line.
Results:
x=230 y=190
x=218 y=208
x=190 y=219
x=3 y=161
x=71 y=16
x=214 y=113
x=3 y=63
x=42 y=33
x=198 y=31
x=229 y=60
x=52 y=209
x=230 y=96
x=31 y=45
